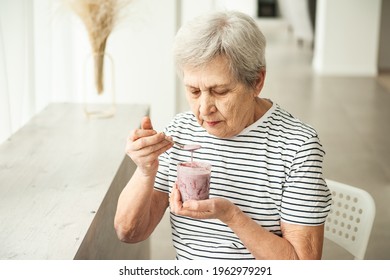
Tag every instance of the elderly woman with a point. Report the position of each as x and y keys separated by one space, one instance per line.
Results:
x=268 y=198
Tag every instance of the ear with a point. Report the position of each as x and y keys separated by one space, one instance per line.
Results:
x=260 y=81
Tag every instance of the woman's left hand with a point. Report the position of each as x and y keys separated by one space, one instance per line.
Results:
x=213 y=208
x=298 y=241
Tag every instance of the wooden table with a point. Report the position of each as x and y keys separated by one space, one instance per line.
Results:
x=60 y=178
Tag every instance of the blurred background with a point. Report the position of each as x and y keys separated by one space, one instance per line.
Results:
x=328 y=63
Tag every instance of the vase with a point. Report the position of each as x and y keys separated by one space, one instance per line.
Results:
x=99 y=86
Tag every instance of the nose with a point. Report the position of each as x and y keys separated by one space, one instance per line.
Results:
x=206 y=104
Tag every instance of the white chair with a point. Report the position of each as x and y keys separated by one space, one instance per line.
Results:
x=351 y=217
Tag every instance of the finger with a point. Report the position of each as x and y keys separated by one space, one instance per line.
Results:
x=177 y=194
x=151 y=153
x=197 y=205
x=200 y=209
x=146 y=123
x=169 y=138
x=175 y=200
x=171 y=195
x=193 y=209
x=154 y=142
x=147 y=156
x=139 y=133
x=194 y=214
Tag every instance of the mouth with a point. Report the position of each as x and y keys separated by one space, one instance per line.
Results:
x=212 y=123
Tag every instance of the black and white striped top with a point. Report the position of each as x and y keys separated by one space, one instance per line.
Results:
x=272 y=170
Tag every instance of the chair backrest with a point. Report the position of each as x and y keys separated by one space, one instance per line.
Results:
x=351 y=217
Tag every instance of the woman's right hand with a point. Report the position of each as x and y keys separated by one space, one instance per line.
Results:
x=145 y=145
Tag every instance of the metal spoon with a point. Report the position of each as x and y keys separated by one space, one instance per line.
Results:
x=189 y=147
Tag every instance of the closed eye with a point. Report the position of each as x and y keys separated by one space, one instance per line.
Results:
x=220 y=92
x=193 y=92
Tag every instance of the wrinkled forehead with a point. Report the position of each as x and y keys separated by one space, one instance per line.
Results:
x=215 y=72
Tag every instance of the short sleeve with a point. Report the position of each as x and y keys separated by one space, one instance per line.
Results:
x=306 y=199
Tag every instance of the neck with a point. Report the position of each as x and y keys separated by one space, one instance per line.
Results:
x=262 y=106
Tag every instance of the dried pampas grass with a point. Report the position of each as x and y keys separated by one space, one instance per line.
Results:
x=99 y=18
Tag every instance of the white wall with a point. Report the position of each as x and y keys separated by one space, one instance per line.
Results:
x=347 y=35
x=5 y=115
x=296 y=13
x=141 y=50
x=246 y=6
x=42 y=50
x=17 y=95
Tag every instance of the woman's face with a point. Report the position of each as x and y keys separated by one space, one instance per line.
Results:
x=221 y=105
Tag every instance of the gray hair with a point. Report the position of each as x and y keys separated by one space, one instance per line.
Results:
x=232 y=34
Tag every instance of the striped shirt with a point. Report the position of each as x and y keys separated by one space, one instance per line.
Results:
x=272 y=171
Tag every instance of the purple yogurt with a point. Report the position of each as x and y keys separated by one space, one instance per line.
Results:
x=193 y=180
